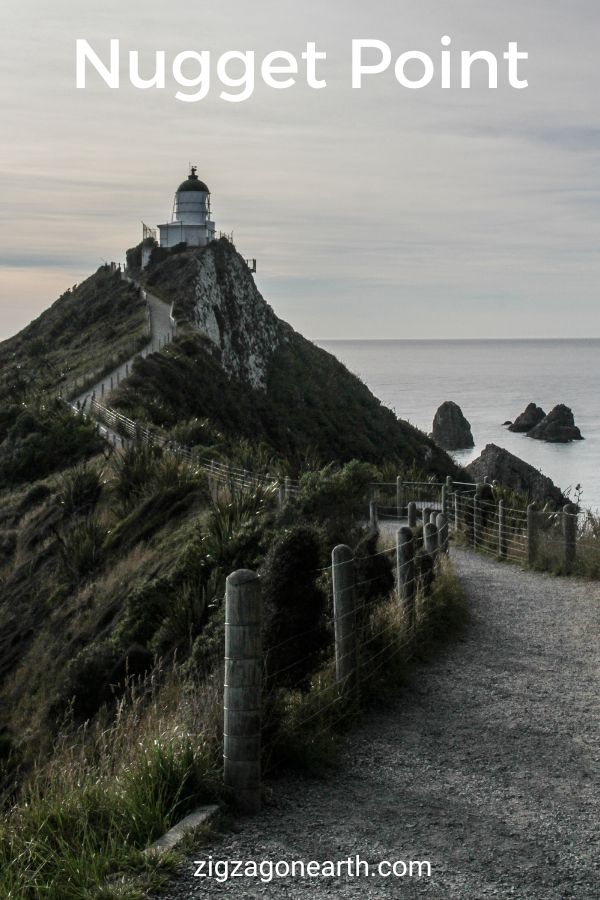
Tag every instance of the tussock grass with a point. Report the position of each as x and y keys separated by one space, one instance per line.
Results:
x=81 y=822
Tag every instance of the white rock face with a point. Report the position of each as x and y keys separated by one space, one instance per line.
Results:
x=231 y=313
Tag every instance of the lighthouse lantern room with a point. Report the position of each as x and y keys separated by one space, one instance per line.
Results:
x=191 y=223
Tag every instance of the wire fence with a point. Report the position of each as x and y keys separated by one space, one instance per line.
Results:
x=312 y=680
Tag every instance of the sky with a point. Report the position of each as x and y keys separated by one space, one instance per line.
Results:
x=375 y=213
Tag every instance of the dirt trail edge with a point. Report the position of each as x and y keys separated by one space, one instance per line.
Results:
x=487 y=766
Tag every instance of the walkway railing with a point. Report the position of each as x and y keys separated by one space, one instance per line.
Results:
x=364 y=642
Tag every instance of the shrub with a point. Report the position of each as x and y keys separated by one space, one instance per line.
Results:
x=81 y=549
x=335 y=499
x=295 y=626
x=79 y=489
x=99 y=674
x=37 y=445
x=134 y=470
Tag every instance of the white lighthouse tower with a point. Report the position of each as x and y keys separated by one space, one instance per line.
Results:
x=191 y=223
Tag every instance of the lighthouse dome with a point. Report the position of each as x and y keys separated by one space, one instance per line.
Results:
x=192 y=183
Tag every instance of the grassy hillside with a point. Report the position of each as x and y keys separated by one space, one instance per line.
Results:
x=99 y=319
x=112 y=563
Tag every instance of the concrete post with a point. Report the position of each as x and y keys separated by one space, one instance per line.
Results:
x=373 y=517
x=444 y=499
x=456 y=511
x=405 y=572
x=412 y=514
x=441 y=523
x=111 y=382
x=243 y=688
x=344 y=618
x=569 y=523
x=426 y=517
x=502 y=532
x=399 y=497
x=531 y=535
x=433 y=517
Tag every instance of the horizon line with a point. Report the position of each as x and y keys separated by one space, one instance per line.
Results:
x=450 y=340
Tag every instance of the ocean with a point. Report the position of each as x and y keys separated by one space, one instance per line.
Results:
x=493 y=381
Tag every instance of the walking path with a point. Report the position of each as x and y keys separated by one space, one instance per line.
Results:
x=162 y=329
x=487 y=765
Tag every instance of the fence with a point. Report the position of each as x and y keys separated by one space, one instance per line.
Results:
x=528 y=536
x=122 y=431
x=363 y=643
x=564 y=541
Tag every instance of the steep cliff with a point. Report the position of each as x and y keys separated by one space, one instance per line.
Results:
x=251 y=374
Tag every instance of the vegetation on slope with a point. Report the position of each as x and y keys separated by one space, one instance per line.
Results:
x=100 y=319
x=311 y=406
x=112 y=568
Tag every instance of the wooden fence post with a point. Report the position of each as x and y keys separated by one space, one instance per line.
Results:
x=405 y=572
x=569 y=523
x=412 y=514
x=429 y=561
x=243 y=688
x=373 y=518
x=431 y=540
x=399 y=497
x=441 y=523
x=502 y=532
x=531 y=535
x=444 y=499
x=344 y=618
x=477 y=515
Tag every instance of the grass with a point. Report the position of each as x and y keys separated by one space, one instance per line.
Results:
x=80 y=825
x=91 y=325
x=305 y=727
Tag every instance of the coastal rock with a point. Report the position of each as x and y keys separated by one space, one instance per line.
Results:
x=451 y=430
x=508 y=470
x=558 y=427
x=528 y=419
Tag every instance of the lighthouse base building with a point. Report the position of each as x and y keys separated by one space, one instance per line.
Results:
x=191 y=222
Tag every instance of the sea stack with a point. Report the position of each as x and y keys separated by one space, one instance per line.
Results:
x=508 y=470
x=558 y=427
x=451 y=431
x=528 y=419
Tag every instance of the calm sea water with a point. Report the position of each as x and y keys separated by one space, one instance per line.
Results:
x=492 y=381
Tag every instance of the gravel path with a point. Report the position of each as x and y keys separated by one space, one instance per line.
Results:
x=162 y=327
x=487 y=766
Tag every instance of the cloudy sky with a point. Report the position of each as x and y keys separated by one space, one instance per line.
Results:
x=377 y=213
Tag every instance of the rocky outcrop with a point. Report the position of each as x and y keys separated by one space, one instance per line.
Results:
x=247 y=372
x=558 y=427
x=508 y=470
x=451 y=430
x=528 y=419
x=214 y=291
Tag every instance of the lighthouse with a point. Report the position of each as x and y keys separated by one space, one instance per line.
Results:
x=191 y=222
